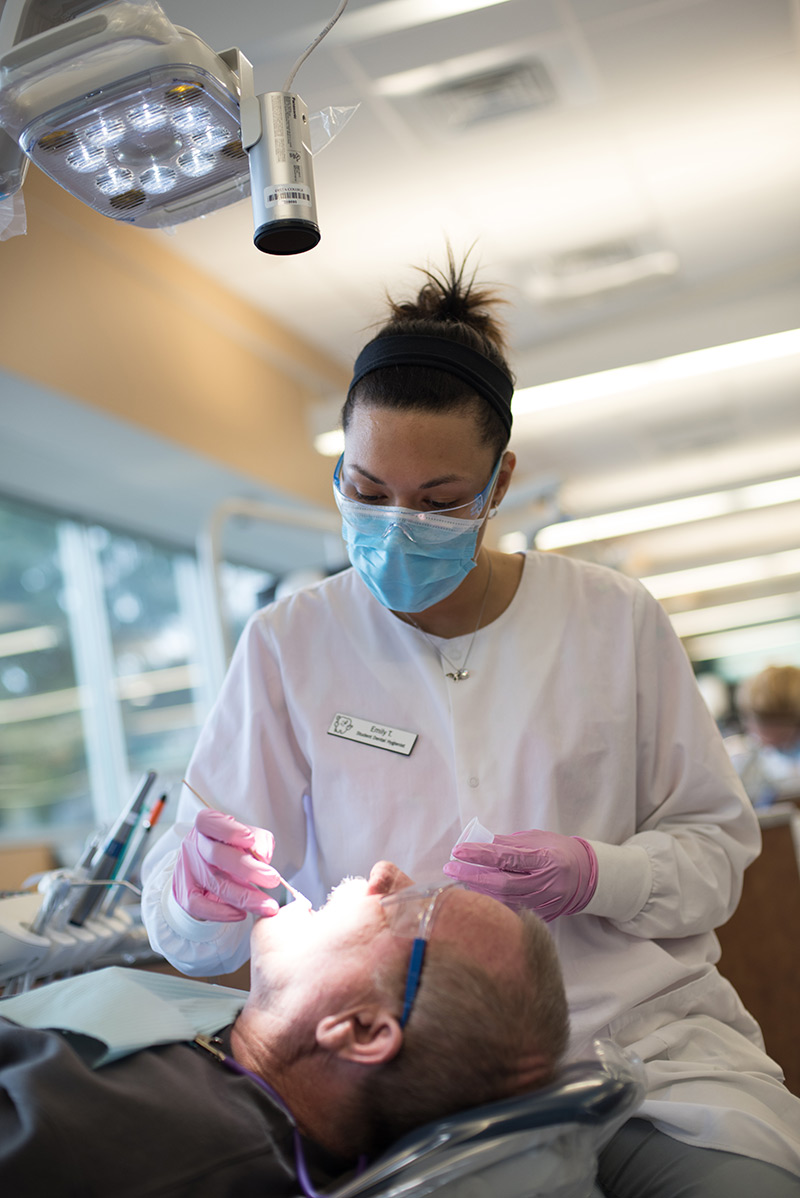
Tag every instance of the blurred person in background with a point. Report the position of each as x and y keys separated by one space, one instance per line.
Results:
x=767 y=754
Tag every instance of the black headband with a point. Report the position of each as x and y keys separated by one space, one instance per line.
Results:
x=406 y=349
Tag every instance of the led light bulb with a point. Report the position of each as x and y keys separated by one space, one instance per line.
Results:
x=115 y=181
x=85 y=158
x=106 y=131
x=192 y=119
x=196 y=163
x=147 y=116
x=211 y=138
x=157 y=179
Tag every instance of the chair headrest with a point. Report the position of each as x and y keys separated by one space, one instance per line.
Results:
x=593 y=1095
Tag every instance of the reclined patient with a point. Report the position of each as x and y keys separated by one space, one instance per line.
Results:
x=360 y=1045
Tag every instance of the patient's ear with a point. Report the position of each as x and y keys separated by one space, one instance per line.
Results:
x=366 y=1035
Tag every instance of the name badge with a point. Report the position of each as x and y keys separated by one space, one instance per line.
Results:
x=349 y=727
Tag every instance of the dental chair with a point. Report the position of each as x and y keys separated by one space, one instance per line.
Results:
x=540 y=1145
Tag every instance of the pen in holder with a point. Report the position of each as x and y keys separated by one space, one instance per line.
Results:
x=132 y=858
x=106 y=859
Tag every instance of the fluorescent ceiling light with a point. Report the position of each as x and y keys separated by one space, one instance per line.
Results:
x=513 y=542
x=667 y=515
x=723 y=574
x=647 y=374
x=735 y=615
x=28 y=640
x=392 y=16
x=687 y=474
x=331 y=444
x=744 y=640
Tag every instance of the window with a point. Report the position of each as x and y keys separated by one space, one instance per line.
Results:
x=148 y=596
x=109 y=661
x=102 y=672
x=44 y=777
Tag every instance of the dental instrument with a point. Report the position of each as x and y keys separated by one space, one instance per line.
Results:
x=296 y=895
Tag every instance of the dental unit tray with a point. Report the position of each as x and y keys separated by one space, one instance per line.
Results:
x=24 y=953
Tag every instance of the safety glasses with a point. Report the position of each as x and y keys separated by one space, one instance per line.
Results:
x=376 y=520
x=410 y=915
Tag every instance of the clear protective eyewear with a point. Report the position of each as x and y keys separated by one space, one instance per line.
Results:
x=375 y=520
x=410 y=915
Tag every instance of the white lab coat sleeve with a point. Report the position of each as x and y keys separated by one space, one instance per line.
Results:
x=246 y=763
x=198 y=948
x=680 y=873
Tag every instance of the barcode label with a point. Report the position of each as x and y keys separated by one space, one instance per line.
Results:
x=287 y=195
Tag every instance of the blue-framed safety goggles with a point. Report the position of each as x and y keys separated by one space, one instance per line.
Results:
x=376 y=520
x=410 y=915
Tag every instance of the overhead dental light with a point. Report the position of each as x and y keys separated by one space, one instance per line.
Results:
x=145 y=123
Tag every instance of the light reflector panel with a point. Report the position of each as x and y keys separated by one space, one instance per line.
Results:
x=139 y=152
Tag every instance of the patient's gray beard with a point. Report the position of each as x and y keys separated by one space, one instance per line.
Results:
x=295 y=1043
x=297 y=1039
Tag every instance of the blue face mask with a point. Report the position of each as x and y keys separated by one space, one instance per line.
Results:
x=410 y=560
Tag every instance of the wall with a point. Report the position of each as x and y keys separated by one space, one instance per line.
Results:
x=105 y=314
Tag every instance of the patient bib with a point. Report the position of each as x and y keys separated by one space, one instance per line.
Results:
x=127 y=1009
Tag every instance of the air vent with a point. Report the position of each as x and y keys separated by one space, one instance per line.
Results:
x=593 y=257
x=516 y=87
x=596 y=269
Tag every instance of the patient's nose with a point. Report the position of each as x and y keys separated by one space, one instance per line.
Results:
x=385 y=878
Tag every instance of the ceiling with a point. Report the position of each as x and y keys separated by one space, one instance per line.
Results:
x=631 y=183
x=627 y=172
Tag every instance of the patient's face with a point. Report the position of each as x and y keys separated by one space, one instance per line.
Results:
x=303 y=954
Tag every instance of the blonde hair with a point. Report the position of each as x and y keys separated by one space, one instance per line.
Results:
x=773 y=694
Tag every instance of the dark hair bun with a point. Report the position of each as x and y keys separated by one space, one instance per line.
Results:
x=449 y=298
x=448 y=307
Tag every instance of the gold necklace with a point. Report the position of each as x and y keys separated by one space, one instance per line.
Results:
x=457 y=674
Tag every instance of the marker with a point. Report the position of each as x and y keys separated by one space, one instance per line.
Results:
x=133 y=856
x=300 y=898
x=155 y=814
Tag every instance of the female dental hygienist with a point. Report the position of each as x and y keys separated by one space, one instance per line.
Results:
x=438 y=680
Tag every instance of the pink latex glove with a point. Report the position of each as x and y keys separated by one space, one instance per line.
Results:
x=546 y=872
x=220 y=866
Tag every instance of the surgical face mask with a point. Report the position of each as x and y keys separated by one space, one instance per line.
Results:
x=408 y=559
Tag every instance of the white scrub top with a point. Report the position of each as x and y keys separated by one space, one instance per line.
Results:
x=580 y=716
